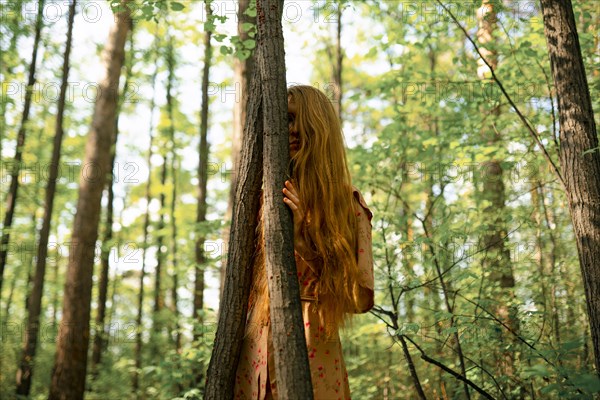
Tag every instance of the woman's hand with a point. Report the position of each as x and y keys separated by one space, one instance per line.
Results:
x=292 y=199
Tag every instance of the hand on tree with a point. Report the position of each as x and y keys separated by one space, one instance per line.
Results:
x=292 y=199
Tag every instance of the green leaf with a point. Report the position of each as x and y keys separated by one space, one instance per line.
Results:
x=219 y=37
x=225 y=50
x=412 y=327
x=249 y=44
x=247 y=26
x=175 y=6
x=535 y=370
x=251 y=12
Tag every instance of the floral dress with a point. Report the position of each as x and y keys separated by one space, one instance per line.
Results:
x=329 y=377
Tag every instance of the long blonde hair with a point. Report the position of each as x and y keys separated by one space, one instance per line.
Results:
x=324 y=184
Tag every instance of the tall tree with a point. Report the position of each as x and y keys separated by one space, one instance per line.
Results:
x=268 y=89
x=231 y=324
x=174 y=168
x=70 y=366
x=146 y=227
x=25 y=371
x=291 y=361
x=160 y=254
x=107 y=245
x=497 y=264
x=202 y=178
x=242 y=72
x=339 y=58
x=579 y=154
x=11 y=199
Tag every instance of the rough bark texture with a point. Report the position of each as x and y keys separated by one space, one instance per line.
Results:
x=231 y=326
x=289 y=343
x=202 y=179
x=11 y=198
x=34 y=306
x=577 y=135
x=242 y=71
x=69 y=372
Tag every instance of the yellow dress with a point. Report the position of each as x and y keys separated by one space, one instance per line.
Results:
x=329 y=377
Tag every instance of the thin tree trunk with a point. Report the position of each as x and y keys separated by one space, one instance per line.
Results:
x=411 y=368
x=160 y=254
x=202 y=183
x=551 y=268
x=337 y=76
x=233 y=309
x=497 y=263
x=242 y=70
x=25 y=371
x=69 y=372
x=287 y=325
x=174 y=248
x=171 y=68
x=100 y=338
x=579 y=155
x=28 y=277
x=12 y=17
x=148 y=197
x=11 y=199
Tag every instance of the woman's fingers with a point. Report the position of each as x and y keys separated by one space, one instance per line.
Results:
x=291 y=187
x=292 y=200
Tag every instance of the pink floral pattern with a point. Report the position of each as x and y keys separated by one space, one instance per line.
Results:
x=328 y=370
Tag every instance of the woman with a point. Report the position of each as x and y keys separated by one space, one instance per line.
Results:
x=332 y=243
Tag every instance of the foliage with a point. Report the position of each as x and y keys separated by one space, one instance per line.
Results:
x=417 y=119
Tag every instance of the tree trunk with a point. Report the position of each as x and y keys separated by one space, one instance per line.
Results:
x=173 y=166
x=233 y=309
x=202 y=183
x=12 y=16
x=100 y=337
x=337 y=75
x=579 y=154
x=25 y=371
x=174 y=249
x=69 y=372
x=148 y=197
x=242 y=70
x=11 y=198
x=496 y=262
x=160 y=254
x=289 y=342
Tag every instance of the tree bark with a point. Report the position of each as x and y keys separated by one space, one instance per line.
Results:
x=289 y=342
x=202 y=182
x=69 y=372
x=100 y=337
x=148 y=197
x=25 y=371
x=233 y=309
x=579 y=154
x=242 y=71
x=11 y=198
